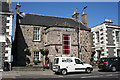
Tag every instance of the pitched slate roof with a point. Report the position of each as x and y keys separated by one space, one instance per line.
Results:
x=34 y=19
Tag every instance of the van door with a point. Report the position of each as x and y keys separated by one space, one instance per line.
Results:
x=79 y=65
x=68 y=64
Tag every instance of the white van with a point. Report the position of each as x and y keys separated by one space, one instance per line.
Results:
x=64 y=65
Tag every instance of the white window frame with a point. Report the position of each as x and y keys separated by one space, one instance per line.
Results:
x=35 y=32
x=39 y=54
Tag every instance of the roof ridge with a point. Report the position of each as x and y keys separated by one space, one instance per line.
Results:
x=48 y=15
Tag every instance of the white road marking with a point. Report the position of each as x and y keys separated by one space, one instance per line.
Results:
x=110 y=75
x=92 y=76
x=77 y=75
x=13 y=74
x=60 y=76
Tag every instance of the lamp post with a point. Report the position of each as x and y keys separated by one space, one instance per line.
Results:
x=83 y=9
x=79 y=47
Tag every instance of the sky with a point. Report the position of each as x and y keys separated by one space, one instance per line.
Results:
x=96 y=12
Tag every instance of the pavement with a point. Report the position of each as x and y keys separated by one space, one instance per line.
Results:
x=14 y=74
x=50 y=75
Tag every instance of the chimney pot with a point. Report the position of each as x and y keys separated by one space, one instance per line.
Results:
x=75 y=15
x=18 y=3
x=83 y=12
x=84 y=18
x=18 y=8
x=108 y=21
x=75 y=12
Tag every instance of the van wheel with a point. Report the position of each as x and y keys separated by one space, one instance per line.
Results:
x=113 y=69
x=64 y=72
x=88 y=70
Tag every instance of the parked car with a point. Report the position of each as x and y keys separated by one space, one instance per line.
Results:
x=109 y=63
x=65 y=65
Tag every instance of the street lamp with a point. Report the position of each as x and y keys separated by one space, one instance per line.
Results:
x=79 y=47
x=83 y=10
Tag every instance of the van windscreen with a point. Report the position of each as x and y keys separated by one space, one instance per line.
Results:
x=56 y=60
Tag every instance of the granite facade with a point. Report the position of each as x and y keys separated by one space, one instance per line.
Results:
x=50 y=38
x=51 y=33
x=85 y=41
x=54 y=37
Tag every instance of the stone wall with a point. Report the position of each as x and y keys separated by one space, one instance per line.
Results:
x=50 y=37
x=54 y=37
x=85 y=40
x=25 y=40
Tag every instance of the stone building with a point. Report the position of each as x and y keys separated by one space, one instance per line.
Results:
x=6 y=17
x=58 y=34
x=106 y=39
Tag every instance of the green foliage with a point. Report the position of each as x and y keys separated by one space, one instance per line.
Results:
x=27 y=51
x=46 y=50
x=27 y=60
x=36 y=61
x=46 y=58
x=31 y=65
x=42 y=51
x=91 y=59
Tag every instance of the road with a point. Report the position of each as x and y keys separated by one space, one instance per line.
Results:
x=48 y=74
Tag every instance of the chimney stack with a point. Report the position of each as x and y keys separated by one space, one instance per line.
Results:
x=75 y=15
x=10 y=5
x=18 y=8
x=84 y=18
x=108 y=21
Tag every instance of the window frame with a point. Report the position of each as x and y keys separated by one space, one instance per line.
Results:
x=56 y=61
x=38 y=35
x=97 y=37
x=118 y=54
x=35 y=55
x=80 y=62
x=117 y=37
x=68 y=44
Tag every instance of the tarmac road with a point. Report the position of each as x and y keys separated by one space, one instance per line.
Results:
x=49 y=75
